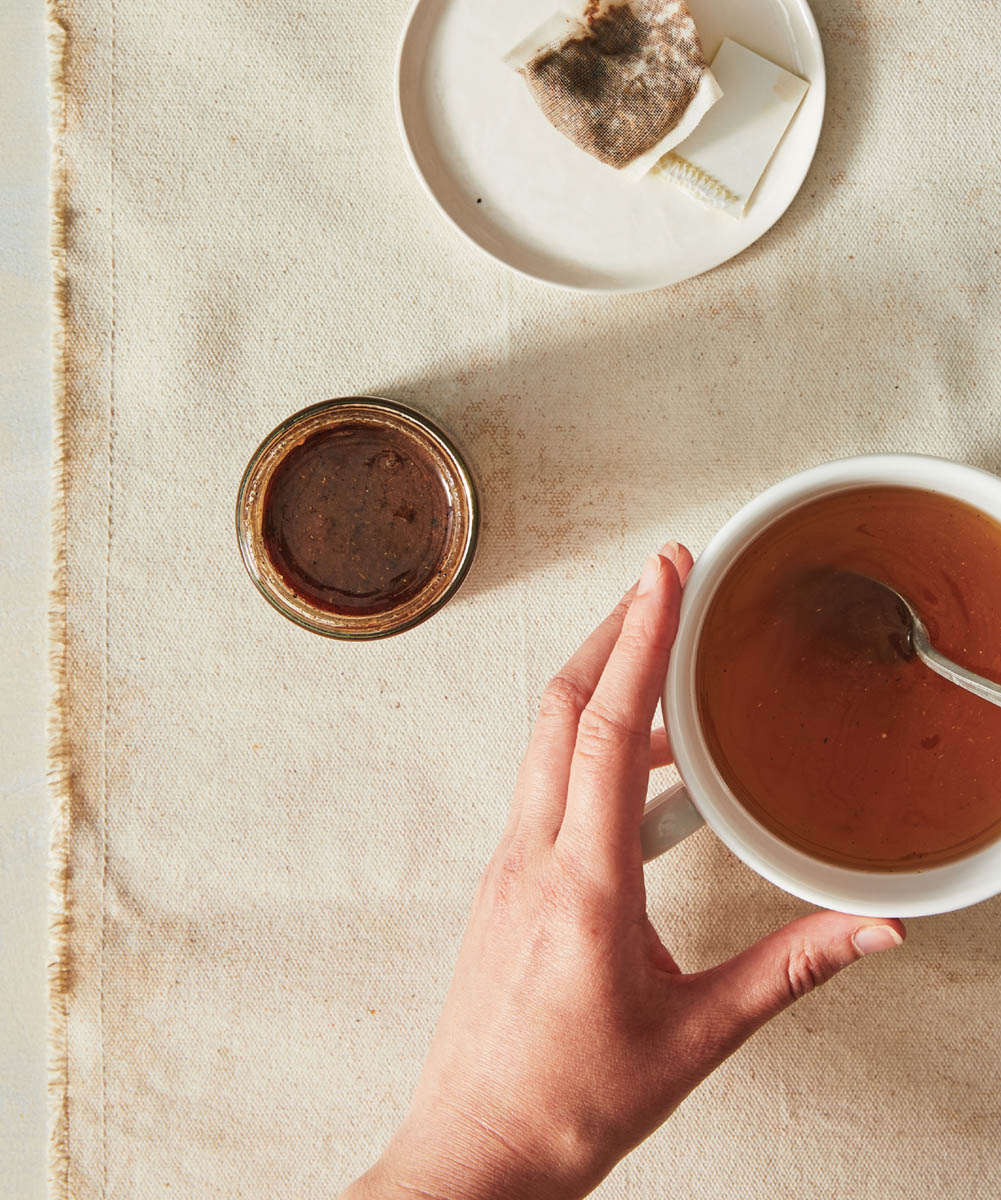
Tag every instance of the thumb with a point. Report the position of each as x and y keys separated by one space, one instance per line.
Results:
x=754 y=986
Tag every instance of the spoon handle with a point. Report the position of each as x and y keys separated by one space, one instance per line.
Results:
x=986 y=689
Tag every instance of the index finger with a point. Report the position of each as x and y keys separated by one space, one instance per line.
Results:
x=540 y=797
x=611 y=761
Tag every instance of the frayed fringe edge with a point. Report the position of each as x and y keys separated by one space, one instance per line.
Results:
x=58 y=756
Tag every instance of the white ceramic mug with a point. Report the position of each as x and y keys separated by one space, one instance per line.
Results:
x=703 y=797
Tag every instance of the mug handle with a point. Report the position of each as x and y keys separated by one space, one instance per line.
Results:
x=668 y=819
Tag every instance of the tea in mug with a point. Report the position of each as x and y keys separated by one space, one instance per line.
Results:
x=821 y=724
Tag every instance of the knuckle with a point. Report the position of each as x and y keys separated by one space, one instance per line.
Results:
x=644 y=636
x=488 y=876
x=559 y=895
x=618 y=614
x=601 y=730
x=581 y=889
x=573 y=911
x=504 y=876
x=564 y=696
x=805 y=968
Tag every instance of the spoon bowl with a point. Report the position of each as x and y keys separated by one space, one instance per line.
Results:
x=911 y=639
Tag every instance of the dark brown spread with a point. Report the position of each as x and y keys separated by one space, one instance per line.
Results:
x=356 y=519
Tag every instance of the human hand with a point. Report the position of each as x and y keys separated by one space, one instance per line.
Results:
x=569 y=1033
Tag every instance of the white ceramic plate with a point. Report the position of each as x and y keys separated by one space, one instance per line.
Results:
x=531 y=199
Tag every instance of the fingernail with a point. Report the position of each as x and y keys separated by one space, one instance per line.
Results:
x=871 y=938
x=670 y=550
x=651 y=569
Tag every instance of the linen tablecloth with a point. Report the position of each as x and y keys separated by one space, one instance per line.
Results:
x=265 y=842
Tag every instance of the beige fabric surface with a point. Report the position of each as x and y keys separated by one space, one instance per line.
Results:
x=270 y=840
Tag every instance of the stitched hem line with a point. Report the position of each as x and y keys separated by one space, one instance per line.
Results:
x=112 y=364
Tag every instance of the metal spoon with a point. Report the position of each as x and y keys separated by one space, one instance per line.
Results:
x=915 y=640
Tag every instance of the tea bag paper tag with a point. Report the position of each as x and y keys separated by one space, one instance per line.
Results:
x=722 y=161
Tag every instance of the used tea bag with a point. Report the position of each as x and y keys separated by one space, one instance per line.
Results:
x=625 y=80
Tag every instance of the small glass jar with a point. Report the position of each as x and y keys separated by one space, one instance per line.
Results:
x=342 y=525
